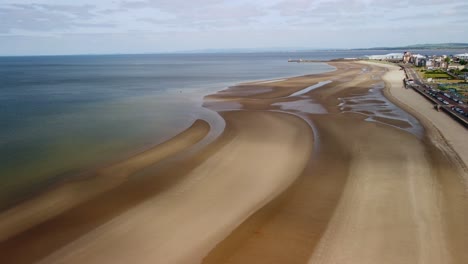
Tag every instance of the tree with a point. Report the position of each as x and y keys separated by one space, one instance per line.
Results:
x=447 y=62
x=463 y=62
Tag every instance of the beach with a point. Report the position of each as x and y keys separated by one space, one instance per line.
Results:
x=345 y=166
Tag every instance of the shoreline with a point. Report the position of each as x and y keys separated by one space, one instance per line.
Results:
x=59 y=159
x=207 y=186
x=438 y=125
x=250 y=232
x=278 y=185
x=54 y=200
x=58 y=181
x=441 y=131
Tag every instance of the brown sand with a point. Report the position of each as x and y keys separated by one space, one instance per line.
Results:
x=184 y=223
x=389 y=210
x=450 y=153
x=394 y=208
x=56 y=201
x=390 y=205
x=441 y=125
x=370 y=192
x=42 y=224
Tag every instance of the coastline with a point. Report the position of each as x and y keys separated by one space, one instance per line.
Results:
x=248 y=244
x=128 y=112
x=57 y=199
x=446 y=145
x=438 y=125
x=205 y=191
x=270 y=188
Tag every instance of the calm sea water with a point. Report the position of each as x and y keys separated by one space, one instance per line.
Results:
x=60 y=115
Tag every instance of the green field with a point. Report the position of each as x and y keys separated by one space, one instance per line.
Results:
x=437 y=75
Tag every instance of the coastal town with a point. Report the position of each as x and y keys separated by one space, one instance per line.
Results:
x=441 y=79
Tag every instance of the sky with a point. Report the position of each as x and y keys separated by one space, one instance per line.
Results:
x=38 y=27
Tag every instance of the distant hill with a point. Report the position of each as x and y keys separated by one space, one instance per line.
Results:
x=426 y=46
x=441 y=46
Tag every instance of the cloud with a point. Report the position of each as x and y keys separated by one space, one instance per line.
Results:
x=46 y=17
x=329 y=19
x=126 y=16
x=163 y=15
x=366 y=14
x=202 y=15
x=77 y=11
x=170 y=5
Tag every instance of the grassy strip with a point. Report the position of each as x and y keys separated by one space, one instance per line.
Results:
x=437 y=75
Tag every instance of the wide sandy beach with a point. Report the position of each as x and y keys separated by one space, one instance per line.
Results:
x=312 y=169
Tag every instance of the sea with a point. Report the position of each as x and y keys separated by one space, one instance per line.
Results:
x=63 y=115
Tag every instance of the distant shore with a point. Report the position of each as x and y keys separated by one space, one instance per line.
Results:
x=311 y=169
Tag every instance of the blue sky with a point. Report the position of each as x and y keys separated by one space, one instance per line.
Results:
x=138 y=26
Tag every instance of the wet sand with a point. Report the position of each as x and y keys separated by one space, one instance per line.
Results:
x=182 y=224
x=442 y=127
x=375 y=191
x=85 y=187
x=312 y=169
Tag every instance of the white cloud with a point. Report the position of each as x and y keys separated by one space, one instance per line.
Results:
x=329 y=19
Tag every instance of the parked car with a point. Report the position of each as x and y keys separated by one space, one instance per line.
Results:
x=459 y=110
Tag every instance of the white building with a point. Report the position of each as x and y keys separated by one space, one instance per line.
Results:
x=390 y=56
x=463 y=56
x=430 y=63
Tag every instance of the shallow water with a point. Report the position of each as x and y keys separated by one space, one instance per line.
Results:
x=60 y=115
x=302 y=106
x=63 y=114
x=379 y=109
x=310 y=88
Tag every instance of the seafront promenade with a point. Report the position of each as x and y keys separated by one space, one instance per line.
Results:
x=442 y=101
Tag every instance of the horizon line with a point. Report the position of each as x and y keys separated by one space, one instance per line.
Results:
x=247 y=50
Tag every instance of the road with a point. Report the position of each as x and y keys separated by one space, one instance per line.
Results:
x=424 y=89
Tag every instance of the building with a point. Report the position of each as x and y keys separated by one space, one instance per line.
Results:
x=456 y=66
x=389 y=57
x=463 y=56
x=430 y=64
x=419 y=60
x=406 y=57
